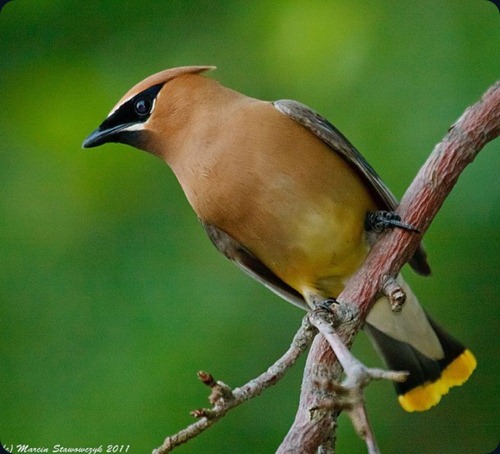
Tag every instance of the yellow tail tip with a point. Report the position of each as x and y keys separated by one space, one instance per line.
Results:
x=429 y=394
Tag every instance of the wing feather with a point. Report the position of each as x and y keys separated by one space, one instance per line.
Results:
x=246 y=261
x=329 y=134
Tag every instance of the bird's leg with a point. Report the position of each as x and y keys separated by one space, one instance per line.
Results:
x=326 y=304
x=349 y=395
x=378 y=221
x=315 y=301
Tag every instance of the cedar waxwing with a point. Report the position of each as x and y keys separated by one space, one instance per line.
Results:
x=283 y=194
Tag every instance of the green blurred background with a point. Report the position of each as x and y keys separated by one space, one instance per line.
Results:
x=111 y=296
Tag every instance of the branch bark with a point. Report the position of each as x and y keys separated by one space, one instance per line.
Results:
x=478 y=125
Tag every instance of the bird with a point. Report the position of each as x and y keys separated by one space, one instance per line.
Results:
x=283 y=194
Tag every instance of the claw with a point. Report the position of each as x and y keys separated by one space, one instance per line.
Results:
x=378 y=221
x=326 y=304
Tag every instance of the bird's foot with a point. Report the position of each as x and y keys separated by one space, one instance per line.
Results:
x=378 y=221
x=325 y=304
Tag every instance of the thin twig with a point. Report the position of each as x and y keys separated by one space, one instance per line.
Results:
x=394 y=292
x=350 y=394
x=225 y=399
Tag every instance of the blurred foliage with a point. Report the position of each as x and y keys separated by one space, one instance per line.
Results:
x=111 y=296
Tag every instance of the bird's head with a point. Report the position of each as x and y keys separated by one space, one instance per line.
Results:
x=134 y=120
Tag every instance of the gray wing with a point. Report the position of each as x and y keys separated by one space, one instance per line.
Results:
x=246 y=261
x=329 y=134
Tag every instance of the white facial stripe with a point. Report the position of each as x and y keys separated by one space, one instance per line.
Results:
x=134 y=127
x=154 y=104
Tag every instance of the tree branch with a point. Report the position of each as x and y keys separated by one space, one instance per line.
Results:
x=477 y=126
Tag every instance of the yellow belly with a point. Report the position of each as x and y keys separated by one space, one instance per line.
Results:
x=319 y=249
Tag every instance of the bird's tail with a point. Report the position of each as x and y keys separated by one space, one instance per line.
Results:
x=410 y=340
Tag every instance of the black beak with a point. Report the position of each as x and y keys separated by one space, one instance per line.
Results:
x=104 y=135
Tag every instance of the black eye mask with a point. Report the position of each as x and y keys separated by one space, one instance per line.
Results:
x=136 y=110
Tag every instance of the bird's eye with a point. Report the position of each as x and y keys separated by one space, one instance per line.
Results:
x=143 y=106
